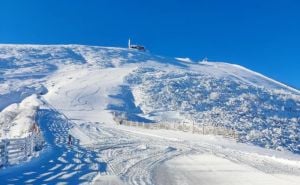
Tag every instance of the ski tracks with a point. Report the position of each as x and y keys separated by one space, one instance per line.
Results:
x=133 y=158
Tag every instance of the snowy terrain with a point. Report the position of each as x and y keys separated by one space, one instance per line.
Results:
x=77 y=89
x=18 y=119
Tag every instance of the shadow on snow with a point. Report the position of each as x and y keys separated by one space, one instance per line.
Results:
x=58 y=162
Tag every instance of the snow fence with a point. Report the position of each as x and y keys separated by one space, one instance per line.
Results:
x=185 y=127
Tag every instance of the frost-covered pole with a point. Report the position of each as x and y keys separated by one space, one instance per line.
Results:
x=25 y=140
x=32 y=143
x=6 y=130
x=129 y=45
x=193 y=126
x=4 y=154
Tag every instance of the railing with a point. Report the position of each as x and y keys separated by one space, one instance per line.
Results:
x=185 y=127
x=13 y=151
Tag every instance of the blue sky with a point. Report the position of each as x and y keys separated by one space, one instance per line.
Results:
x=261 y=35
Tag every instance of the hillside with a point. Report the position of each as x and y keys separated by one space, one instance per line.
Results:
x=263 y=111
x=79 y=89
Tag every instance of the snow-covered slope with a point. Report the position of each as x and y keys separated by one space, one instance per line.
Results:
x=263 y=112
x=150 y=88
x=79 y=89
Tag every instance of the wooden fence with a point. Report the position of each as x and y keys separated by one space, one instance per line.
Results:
x=13 y=151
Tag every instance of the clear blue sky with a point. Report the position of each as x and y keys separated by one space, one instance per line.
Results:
x=263 y=35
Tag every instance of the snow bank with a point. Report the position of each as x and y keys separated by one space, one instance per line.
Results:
x=15 y=92
x=17 y=120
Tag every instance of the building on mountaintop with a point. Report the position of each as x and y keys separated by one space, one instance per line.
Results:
x=137 y=47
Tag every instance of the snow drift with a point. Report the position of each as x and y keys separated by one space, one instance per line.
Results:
x=17 y=120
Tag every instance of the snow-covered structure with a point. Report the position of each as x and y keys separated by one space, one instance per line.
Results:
x=137 y=47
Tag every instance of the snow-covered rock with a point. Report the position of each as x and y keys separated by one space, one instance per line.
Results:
x=17 y=120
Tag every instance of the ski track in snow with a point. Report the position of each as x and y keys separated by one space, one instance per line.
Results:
x=116 y=153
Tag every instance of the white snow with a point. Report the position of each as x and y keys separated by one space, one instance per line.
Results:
x=17 y=120
x=82 y=87
x=188 y=60
x=107 y=180
x=209 y=169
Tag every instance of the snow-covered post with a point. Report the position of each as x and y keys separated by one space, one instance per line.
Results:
x=25 y=145
x=4 y=153
x=193 y=126
x=32 y=143
x=214 y=130
x=129 y=44
x=6 y=143
x=6 y=130
x=235 y=134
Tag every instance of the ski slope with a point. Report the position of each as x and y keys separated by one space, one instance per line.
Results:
x=81 y=86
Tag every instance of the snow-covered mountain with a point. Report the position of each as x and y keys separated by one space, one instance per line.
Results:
x=151 y=88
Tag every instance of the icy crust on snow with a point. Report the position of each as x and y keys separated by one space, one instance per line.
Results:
x=265 y=116
x=18 y=118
